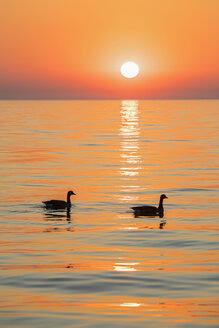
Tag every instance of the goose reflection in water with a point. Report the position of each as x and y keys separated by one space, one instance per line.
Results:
x=162 y=224
x=58 y=216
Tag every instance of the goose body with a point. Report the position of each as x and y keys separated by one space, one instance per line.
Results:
x=59 y=204
x=150 y=210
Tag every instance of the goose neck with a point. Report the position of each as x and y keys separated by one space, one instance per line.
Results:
x=68 y=199
x=160 y=207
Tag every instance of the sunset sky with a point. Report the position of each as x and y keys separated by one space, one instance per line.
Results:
x=74 y=48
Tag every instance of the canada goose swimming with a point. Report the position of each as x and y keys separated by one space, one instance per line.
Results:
x=150 y=210
x=60 y=204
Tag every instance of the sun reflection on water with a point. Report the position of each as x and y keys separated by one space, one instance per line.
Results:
x=130 y=304
x=130 y=157
x=125 y=266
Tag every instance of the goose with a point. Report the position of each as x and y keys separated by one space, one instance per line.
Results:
x=150 y=210
x=60 y=204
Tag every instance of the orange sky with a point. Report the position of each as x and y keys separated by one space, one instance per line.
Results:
x=74 y=48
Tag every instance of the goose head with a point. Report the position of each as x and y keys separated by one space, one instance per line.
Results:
x=163 y=196
x=71 y=193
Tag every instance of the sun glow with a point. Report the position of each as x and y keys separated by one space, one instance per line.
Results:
x=129 y=70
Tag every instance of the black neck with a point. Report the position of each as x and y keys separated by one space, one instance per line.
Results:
x=161 y=204
x=68 y=199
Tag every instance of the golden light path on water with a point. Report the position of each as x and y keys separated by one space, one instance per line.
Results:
x=130 y=157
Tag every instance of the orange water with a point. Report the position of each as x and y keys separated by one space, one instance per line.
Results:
x=99 y=266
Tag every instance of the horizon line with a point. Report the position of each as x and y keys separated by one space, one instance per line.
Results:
x=100 y=98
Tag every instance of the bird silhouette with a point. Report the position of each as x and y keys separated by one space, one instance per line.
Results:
x=59 y=204
x=147 y=210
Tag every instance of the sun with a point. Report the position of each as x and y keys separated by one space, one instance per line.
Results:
x=129 y=70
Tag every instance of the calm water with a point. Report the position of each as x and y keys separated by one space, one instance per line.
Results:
x=99 y=266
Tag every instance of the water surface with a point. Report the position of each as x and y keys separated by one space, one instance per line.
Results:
x=98 y=266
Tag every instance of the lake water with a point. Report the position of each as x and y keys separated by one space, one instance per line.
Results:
x=98 y=266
